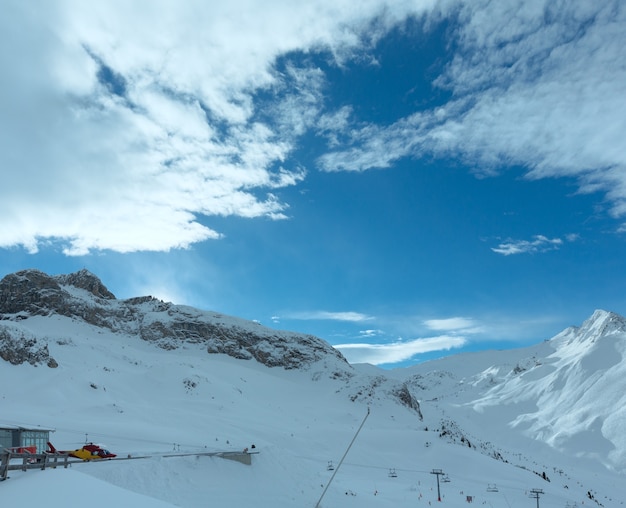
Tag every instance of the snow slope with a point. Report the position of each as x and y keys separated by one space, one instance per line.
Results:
x=567 y=392
x=500 y=418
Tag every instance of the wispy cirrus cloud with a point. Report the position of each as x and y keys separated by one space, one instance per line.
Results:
x=323 y=315
x=454 y=324
x=532 y=87
x=539 y=243
x=398 y=351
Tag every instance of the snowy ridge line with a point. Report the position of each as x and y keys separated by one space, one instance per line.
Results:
x=82 y=297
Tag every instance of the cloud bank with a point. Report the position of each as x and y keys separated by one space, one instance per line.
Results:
x=128 y=126
x=399 y=351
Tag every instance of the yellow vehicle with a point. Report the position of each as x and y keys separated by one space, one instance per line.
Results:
x=89 y=451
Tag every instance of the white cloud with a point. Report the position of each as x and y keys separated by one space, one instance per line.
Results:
x=536 y=84
x=175 y=136
x=377 y=147
x=323 y=315
x=370 y=333
x=539 y=243
x=332 y=125
x=396 y=352
x=467 y=325
x=137 y=160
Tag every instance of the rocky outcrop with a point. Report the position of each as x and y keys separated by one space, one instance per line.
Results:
x=404 y=395
x=30 y=292
x=86 y=280
x=34 y=293
x=248 y=341
x=18 y=348
x=273 y=350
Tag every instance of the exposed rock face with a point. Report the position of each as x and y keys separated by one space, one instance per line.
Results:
x=34 y=293
x=29 y=292
x=86 y=280
x=406 y=397
x=17 y=349
x=237 y=338
x=82 y=296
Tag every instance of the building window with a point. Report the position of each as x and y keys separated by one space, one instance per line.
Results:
x=35 y=438
x=6 y=438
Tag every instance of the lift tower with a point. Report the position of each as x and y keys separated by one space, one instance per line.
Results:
x=536 y=493
x=437 y=472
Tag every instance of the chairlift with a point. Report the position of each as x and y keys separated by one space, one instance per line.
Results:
x=330 y=466
x=392 y=473
x=427 y=444
x=492 y=487
x=445 y=478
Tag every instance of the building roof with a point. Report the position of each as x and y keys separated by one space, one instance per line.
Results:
x=21 y=427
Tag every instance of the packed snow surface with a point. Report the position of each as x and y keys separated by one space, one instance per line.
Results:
x=497 y=424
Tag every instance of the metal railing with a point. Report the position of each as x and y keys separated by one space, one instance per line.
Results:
x=26 y=460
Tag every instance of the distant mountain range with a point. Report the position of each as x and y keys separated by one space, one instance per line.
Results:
x=144 y=374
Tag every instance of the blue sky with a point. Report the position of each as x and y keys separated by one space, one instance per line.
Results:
x=404 y=180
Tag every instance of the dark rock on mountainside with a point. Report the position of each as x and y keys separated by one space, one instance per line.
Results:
x=404 y=395
x=86 y=280
x=29 y=291
x=37 y=293
x=17 y=349
x=81 y=296
x=33 y=293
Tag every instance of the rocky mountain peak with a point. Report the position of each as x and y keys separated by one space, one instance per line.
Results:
x=84 y=279
x=31 y=278
x=602 y=323
x=33 y=292
x=26 y=290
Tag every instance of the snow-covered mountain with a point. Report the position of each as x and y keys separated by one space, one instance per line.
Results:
x=82 y=296
x=567 y=392
x=149 y=377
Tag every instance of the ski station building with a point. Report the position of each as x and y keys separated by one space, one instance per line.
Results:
x=24 y=439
